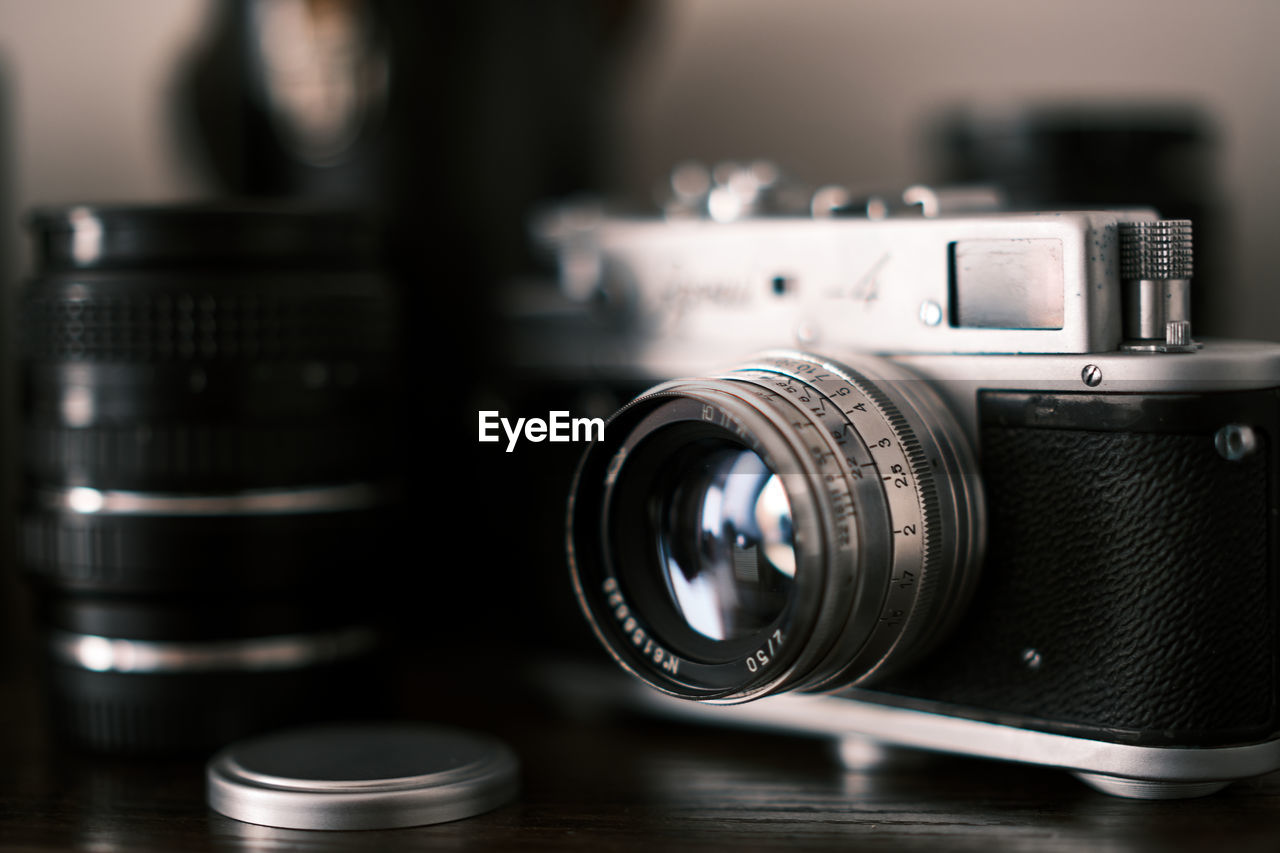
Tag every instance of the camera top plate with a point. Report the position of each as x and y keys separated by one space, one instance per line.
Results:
x=1047 y=282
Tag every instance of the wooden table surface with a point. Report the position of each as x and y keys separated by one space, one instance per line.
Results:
x=598 y=781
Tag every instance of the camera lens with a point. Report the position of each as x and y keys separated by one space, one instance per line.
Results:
x=794 y=524
x=724 y=540
x=210 y=431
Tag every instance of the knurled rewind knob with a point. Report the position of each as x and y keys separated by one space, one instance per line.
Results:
x=1156 y=251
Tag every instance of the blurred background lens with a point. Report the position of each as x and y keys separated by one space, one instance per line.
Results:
x=445 y=123
x=210 y=431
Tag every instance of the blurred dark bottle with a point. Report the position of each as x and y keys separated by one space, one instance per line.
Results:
x=1086 y=154
x=451 y=120
x=211 y=450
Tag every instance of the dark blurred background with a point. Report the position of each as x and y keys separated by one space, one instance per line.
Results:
x=477 y=110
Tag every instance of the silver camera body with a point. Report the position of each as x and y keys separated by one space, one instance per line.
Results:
x=982 y=340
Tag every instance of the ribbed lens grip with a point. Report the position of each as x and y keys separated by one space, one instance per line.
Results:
x=203 y=317
x=209 y=380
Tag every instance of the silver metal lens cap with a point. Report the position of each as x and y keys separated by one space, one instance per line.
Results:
x=365 y=776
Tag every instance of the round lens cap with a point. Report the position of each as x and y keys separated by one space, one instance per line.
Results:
x=366 y=776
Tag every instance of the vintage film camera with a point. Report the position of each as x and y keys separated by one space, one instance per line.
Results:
x=991 y=498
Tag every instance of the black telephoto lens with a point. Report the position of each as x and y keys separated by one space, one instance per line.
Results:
x=210 y=435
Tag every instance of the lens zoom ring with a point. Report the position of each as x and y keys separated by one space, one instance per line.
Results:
x=187 y=456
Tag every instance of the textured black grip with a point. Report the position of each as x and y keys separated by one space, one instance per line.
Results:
x=1128 y=591
x=208 y=318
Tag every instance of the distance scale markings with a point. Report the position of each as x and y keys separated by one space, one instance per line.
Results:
x=835 y=478
x=864 y=445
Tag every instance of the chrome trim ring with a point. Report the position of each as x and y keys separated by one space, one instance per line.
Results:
x=82 y=500
x=250 y=654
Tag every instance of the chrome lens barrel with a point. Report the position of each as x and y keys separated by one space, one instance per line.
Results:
x=796 y=523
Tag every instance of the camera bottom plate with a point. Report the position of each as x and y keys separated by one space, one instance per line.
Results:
x=1121 y=770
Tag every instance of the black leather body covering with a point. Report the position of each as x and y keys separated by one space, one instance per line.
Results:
x=1129 y=590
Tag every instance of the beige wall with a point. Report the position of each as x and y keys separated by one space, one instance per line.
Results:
x=87 y=97
x=90 y=82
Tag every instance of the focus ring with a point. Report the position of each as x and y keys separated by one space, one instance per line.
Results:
x=902 y=475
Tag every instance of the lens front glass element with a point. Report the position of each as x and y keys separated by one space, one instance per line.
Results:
x=725 y=540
